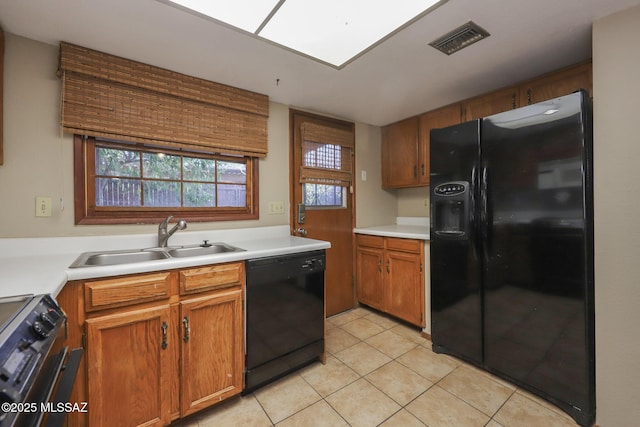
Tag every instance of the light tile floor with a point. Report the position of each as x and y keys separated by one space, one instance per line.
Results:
x=380 y=372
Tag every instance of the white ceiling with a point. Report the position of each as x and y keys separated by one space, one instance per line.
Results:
x=400 y=77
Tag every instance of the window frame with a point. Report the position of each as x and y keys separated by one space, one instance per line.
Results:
x=87 y=213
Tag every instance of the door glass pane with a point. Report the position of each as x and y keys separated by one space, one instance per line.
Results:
x=322 y=195
x=320 y=155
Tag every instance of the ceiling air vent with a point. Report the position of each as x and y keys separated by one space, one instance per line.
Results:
x=460 y=38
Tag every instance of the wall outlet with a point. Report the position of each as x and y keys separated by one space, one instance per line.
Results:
x=43 y=206
x=276 y=208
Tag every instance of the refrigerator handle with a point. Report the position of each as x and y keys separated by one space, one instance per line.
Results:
x=473 y=210
x=485 y=212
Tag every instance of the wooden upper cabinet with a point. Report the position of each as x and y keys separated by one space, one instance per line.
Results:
x=400 y=154
x=405 y=144
x=492 y=103
x=405 y=147
x=557 y=84
x=440 y=118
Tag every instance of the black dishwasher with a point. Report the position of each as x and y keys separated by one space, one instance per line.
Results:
x=285 y=315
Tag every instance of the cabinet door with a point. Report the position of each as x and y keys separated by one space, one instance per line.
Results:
x=442 y=117
x=405 y=286
x=489 y=104
x=400 y=154
x=129 y=368
x=369 y=274
x=557 y=84
x=212 y=349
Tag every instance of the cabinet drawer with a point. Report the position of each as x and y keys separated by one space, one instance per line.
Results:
x=403 y=245
x=372 y=241
x=211 y=277
x=123 y=291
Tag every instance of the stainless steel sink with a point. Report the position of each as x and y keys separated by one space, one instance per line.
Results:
x=89 y=259
x=216 y=248
x=93 y=259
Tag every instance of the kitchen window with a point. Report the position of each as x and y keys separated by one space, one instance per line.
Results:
x=120 y=182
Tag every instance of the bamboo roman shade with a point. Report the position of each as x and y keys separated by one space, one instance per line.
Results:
x=113 y=97
x=327 y=154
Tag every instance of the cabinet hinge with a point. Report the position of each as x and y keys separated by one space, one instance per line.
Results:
x=83 y=341
x=420 y=267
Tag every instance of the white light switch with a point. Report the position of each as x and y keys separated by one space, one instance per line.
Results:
x=276 y=207
x=363 y=175
x=43 y=206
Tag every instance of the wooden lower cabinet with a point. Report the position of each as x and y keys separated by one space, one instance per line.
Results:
x=405 y=287
x=370 y=277
x=128 y=370
x=158 y=346
x=390 y=276
x=212 y=349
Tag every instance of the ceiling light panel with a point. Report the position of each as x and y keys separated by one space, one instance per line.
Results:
x=247 y=15
x=334 y=31
x=330 y=31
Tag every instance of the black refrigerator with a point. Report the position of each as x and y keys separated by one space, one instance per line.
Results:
x=512 y=248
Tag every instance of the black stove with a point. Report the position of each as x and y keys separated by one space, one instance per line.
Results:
x=36 y=369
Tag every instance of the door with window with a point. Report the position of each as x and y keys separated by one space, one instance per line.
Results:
x=322 y=185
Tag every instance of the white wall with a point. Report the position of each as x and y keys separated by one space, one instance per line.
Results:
x=38 y=160
x=374 y=206
x=413 y=201
x=616 y=93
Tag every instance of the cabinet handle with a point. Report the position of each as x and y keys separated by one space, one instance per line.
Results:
x=380 y=265
x=165 y=341
x=529 y=96
x=415 y=171
x=422 y=166
x=187 y=329
x=513 y=101
x=388 y=269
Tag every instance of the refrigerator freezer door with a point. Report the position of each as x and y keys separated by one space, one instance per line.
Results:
x=535 y=252
x=455 y=268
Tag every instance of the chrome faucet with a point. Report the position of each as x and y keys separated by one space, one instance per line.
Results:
x=163 y=234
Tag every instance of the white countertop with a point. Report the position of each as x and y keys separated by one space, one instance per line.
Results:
x=41 y=265
x=405 y=227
